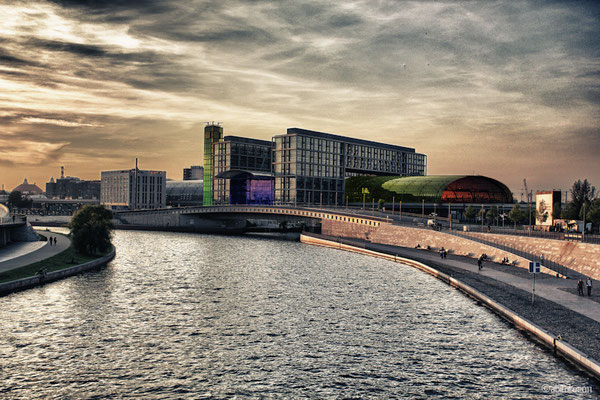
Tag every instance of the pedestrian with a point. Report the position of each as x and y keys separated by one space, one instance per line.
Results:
x=480 y=263
x=588 y=283
x=580 y=287
x=55 y=240
x=50 y=240
x=442 y=253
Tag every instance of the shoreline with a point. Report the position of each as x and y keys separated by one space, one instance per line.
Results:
x=541 y=333
x=18 y=285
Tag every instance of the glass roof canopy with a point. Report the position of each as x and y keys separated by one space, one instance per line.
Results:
x=431 y=189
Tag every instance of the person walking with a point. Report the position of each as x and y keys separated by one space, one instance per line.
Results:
x=588 y=283
x=580 y=287
x=50 y=240
x=480 y=262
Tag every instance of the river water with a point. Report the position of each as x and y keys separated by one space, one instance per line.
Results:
x=199 y=316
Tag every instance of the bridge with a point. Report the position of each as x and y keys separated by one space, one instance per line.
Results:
x=241 y=218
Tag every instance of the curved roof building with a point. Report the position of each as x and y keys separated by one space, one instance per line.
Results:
x=28 y=188
x=431 y=189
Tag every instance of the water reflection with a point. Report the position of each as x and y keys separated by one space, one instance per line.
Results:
x=193 y=316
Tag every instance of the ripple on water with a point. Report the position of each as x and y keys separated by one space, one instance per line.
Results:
x=193 y=316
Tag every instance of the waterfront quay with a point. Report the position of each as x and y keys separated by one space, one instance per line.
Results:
x=179 y=315
x=571 y=322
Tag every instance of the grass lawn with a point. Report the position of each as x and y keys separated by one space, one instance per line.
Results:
x=67 y=258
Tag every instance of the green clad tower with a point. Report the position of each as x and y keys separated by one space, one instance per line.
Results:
x=212 y=134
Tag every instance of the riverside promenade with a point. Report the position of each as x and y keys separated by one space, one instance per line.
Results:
x=20 y=254
x=558 y=309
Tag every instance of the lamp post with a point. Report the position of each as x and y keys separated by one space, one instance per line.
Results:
x=482 y=215
x=583 y=232
x=400 y=210
x=530 y=195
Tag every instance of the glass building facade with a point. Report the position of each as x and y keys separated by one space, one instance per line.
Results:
x=310 y=167
x=212 y=133
x=242 y=171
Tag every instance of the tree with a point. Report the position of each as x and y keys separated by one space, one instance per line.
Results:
x=581 y=193
x=593 y=214
x=541 y=214
x=556 y=211
x=470 y=213
x=380 y=204
x=492 y=214
x=91 y=229
x=516 y=214
x=17 y=200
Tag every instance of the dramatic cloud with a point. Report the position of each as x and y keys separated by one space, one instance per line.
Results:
x=506 y=89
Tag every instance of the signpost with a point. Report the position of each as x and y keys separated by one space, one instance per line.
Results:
x=534 y=268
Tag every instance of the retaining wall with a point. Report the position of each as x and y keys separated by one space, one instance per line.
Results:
x=581 y=257
x=411 y=237
x=26 y=283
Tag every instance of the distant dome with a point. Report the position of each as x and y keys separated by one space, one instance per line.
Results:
x=28 y=188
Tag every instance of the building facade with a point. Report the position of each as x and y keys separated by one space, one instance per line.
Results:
x=195 y=172
x=134 y=189
x=184 y=193
x=545 y=203
x=72 y=188
x=242 y=171
x=212 y=134
x=310 y=167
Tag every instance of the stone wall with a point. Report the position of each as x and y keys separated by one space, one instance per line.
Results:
x=581 y=257
x=411 y=237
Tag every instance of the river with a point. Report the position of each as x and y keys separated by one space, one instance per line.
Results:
x=199 y=316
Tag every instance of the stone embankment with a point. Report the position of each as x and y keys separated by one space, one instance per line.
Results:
x=26 y=283
x=581 y=257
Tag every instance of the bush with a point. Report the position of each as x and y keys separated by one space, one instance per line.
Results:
x=91 y=230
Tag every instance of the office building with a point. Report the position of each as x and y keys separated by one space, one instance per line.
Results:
x=212 y=134
x=242 y=171
x=72 y=188
x=133 y=189
x=310 y=167
x=195 y=172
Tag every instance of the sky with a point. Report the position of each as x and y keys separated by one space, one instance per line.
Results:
x=507 y=89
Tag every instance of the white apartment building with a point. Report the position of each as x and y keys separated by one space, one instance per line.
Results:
x=134 y=189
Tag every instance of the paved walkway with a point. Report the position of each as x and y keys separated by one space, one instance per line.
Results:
x=546 y=286
x=17 y=255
